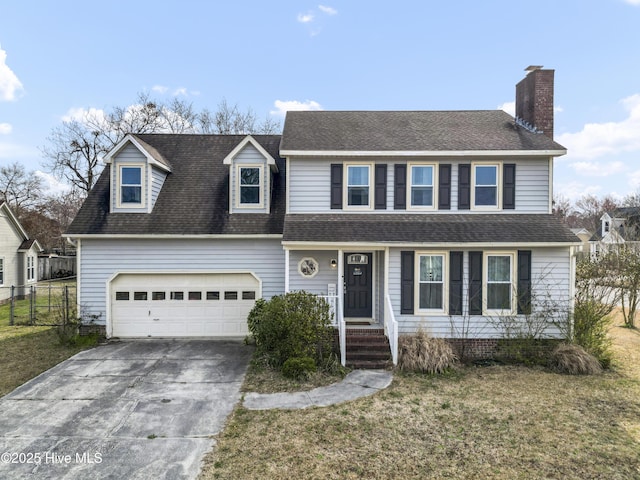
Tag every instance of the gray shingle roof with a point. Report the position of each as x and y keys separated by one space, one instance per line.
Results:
x=351 y=131
x=194 y=199
x=427 y=228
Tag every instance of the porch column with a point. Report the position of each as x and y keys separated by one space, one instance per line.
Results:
x=286 y=270
x=340 y=289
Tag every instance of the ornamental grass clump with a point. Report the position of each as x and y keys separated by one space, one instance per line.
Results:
x=574 y=360
x=421 y=353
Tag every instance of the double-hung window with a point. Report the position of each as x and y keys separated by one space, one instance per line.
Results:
x=499 y=283
x=250 y=186
x=358 y=188
x=422 y=186
x=31 y=269
x=485 y=186
x=431 y=273
x=131 y=185
x=1 y=271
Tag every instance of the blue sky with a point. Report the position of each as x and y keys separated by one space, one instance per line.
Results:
x=61 y=58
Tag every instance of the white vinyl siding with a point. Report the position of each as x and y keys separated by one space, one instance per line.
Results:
x=550 y=268
x=157 y=180
x=249 y=157
x=102 y=258
x=318 y=284
x=309 y=182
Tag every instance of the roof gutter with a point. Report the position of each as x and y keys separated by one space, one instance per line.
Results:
x=422 y=153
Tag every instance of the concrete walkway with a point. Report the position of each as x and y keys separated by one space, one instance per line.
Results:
x=357 y=384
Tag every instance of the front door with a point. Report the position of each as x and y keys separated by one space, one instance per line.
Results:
x=357 y=285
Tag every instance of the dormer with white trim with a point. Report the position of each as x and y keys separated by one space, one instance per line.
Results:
x=137 y=173
x=250 y=177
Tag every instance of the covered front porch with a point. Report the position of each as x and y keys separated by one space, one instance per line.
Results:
x=354 y=280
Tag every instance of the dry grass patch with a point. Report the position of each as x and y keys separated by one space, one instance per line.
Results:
x=499 y=422
x=263 y=379
x=26 y=352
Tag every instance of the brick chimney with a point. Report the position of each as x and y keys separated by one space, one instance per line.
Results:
x=534 y=99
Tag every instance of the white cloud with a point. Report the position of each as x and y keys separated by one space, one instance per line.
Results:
x=509 y=107
x=180 y=92
x=305 y=17
x=575 y=190
x=606 y=139
x=10 y=85
x=327 y=10
x=634 y=179
x=161 y=89
x=598 y=169
x=283 y=106
x=83 y=115
x=5 y=128
x=52 y=185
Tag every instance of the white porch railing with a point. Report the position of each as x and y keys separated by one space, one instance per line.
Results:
x=335 y=307
x=391 y=328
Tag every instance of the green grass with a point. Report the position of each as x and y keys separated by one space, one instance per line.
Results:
x=49 y=303
x=27 y=351
x=497 y=422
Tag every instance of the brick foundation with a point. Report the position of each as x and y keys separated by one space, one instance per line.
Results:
x=89 y=329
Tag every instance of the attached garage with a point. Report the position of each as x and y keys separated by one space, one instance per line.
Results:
x=182 y=305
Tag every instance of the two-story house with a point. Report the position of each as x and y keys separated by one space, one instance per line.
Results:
x=404 y=219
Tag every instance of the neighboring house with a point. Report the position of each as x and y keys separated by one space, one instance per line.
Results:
x=619 y=227
x=585 y=236
x=406 y=219
x=18 y=256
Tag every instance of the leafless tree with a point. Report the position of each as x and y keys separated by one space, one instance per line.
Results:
x=20 y=189
x=75 y=148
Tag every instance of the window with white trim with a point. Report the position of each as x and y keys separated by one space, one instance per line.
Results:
x=31 y=268
x=431 y=282
x=499 y=288
x=422 y=186
x=1 y=271
x=250 y=186
x=358 y=185
x=131 y=181
x=485 y=186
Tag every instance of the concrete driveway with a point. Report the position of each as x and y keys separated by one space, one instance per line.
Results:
x=141 y=409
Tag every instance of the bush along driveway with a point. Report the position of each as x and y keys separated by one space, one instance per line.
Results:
x=143 y=409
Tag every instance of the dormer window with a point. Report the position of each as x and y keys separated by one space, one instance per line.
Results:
x=250 y=186
x=606 y=227
x=131 y=186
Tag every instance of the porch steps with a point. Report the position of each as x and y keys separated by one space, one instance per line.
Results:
x=367 y=348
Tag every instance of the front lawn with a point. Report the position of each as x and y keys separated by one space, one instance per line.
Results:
x=498 y=422
x=27 y=351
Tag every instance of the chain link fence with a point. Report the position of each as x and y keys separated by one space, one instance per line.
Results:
x=42 y=304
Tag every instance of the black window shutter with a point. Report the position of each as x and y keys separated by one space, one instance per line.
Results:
x=509 y=186
x=455 y=283
x=464 y=186
x=475 y=283
x=444 y=187
x=381 y=187
x=336 y=186
x=400 y=187
x=524 y=281
x=406 y=282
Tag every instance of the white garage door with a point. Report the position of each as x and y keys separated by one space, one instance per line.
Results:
x=186 y=305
